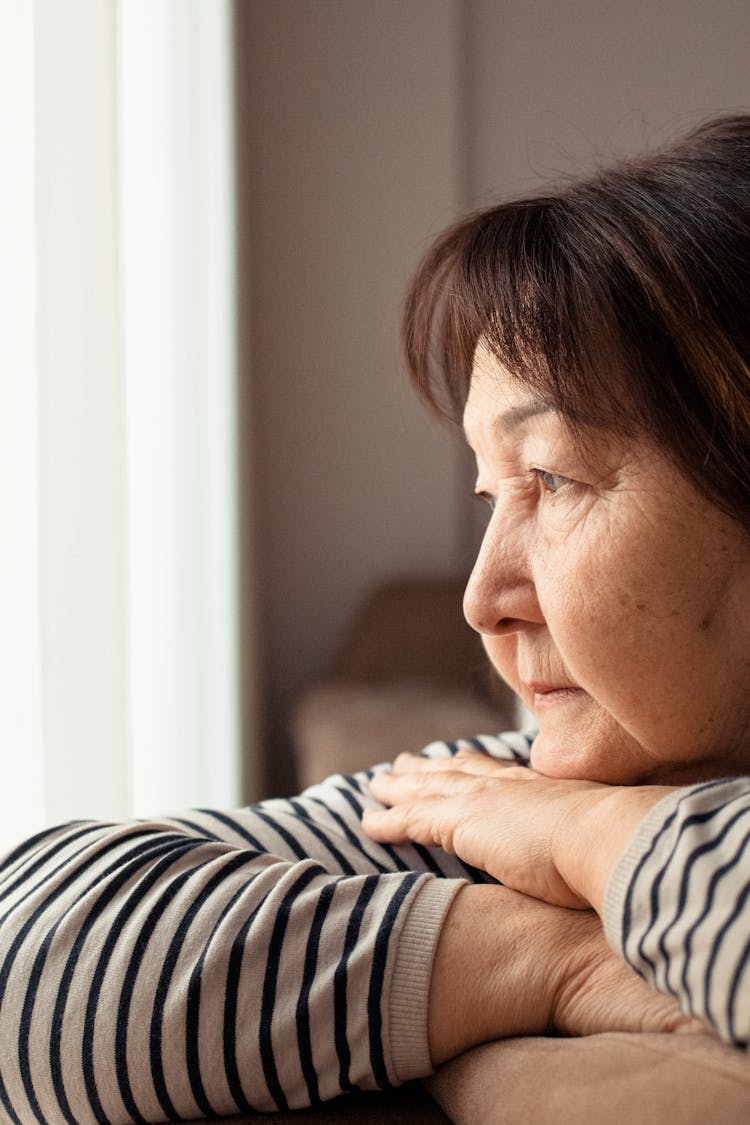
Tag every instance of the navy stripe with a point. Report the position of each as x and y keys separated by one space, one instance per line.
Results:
x=192 y=1012
x=428 y=860
x=377 y=976
x=480 y=746
x=734 y=989
x=476 y=875
x=518 y=757
x=304 y=1039
x=10 y=858
x=521 y=759
x=124 y=864
x=198 y=829
x=7 y=965
x=627 y=907
x=144 y=854
x=24 y=1026
x=681 y=899
x=291 y=841
x=5 y=1100
x=701 y=850
x=351 y=837
x=43 y=860
x=688 y=823
x=716 y=946
x=157 y=870
x=31 y=921
x=230 y=822
x=369 y=886
x=429 y=863
x=234 y=972
x=268 y=1000
x=128 y=986
x=236 y=860
x=627 y=910
x=716 y=878
x=398 y=862
x=55 y=894
x=304 y=816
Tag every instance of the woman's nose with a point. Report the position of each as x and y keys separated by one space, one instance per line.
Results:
x=500 y=595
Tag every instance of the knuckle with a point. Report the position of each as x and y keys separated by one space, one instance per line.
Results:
x=515 y=771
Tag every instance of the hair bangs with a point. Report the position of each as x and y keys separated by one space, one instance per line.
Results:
x=516 y=279
x=622 y=299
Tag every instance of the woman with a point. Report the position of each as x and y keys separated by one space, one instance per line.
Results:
x=596 y=343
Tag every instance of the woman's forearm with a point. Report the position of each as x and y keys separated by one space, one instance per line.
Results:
x=488 y=979
x=181 y=968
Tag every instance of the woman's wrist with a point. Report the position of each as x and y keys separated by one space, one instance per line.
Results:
x=497 y=969
x=589 y=842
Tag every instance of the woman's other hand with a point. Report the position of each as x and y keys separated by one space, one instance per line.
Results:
x=508 y=965
x=554 y=840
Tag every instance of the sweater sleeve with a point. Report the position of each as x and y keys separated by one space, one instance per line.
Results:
x=678 y=903
x=214 y=962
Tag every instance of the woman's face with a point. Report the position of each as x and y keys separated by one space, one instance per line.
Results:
x=611 y=595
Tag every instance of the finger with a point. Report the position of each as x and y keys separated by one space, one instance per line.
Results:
x=384 y=825
x=474 y=762
x=466 y=760
x=414 y=763
x=428 y=822
x=406 y=762
x=397 y=788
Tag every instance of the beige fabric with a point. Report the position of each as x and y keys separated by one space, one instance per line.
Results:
x=612 y=1079
x=617 y=1079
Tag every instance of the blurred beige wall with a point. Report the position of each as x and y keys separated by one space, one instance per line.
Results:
x=364 y=127
x=349 y=123
x=557 y=87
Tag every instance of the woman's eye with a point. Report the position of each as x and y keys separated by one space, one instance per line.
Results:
x=553 y=482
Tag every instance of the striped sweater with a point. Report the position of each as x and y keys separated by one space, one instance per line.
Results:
x=273 y=957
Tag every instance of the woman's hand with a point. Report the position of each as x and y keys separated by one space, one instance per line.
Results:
x=508 y=965
x=555 y=840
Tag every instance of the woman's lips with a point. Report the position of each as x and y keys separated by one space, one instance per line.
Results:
x=552 y=695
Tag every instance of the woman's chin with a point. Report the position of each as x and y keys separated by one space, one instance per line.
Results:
x=555 y=757
x=586 y=757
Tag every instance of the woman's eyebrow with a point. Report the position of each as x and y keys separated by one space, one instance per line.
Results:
x=510 y=419
x=516 y=415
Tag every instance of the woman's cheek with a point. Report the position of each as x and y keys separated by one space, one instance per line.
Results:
x=593 y=642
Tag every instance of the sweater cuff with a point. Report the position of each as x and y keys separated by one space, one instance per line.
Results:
x=410 y=981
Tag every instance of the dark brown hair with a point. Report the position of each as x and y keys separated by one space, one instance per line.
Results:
x=623 y=299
